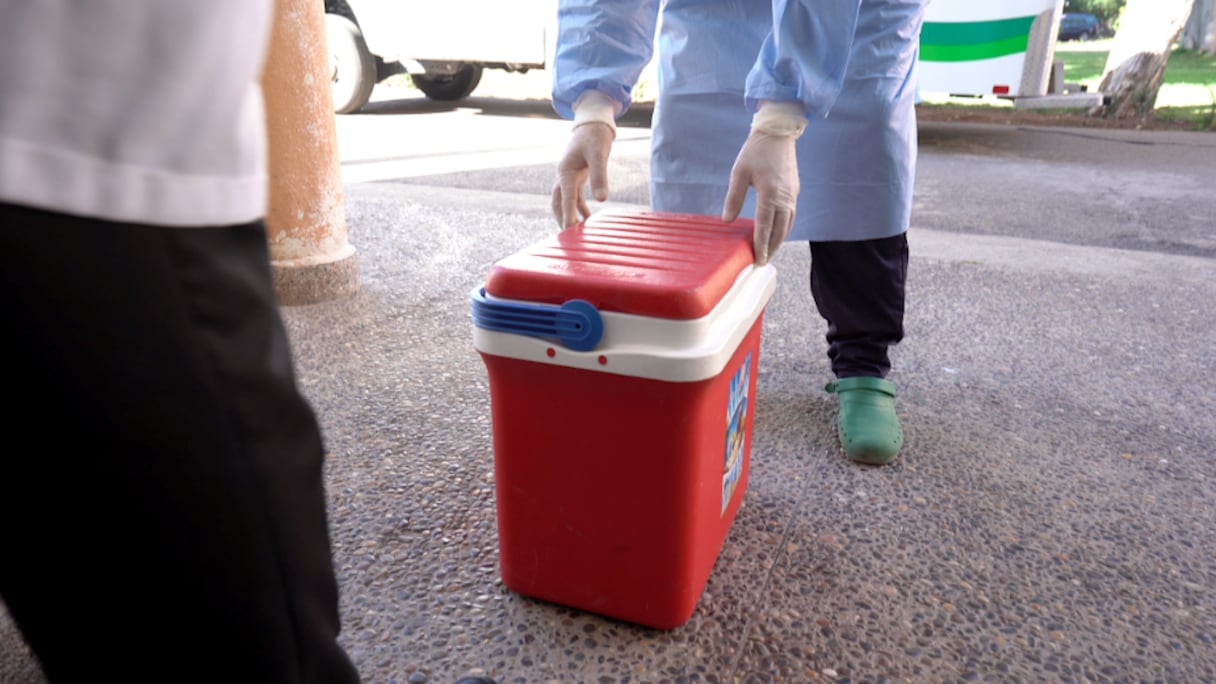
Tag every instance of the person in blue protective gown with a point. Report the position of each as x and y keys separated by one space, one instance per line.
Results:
x=807 y=103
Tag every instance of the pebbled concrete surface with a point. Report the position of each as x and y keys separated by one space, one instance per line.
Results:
x=1052 y=518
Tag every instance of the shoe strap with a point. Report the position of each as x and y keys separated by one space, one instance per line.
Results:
x=860 y=383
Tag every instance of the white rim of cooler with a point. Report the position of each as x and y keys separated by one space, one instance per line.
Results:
x=649 y=347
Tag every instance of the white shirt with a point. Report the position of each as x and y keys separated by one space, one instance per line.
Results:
x=143 y=111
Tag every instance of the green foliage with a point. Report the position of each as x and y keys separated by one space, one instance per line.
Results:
x=1142 y=102
x=1188 y=89
x=1185 y=67
x=1201 y=117
x=1107 y=11
x=1083 y=66
x=644 y=91
x=1189 y=66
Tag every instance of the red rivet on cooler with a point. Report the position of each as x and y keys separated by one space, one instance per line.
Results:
x=551 y=352
x=603 y=360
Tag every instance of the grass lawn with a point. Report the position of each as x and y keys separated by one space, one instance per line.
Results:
x=1188 y=92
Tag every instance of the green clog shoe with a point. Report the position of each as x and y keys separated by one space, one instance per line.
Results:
x=868 y=427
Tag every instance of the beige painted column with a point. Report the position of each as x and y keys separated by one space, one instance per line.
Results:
x=310 y=258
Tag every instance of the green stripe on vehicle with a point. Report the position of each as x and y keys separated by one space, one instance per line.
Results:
x=971 y=32
x=967 y=41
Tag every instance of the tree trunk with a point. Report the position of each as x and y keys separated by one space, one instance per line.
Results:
x=1139 y=51
x=1200 y=31
x=1209 y=43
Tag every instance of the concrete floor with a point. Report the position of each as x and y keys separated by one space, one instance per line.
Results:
x=1052 y=518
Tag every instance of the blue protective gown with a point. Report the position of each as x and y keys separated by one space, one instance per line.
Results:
x=850 y=63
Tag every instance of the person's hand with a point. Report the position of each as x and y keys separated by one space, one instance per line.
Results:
x=768 y=162
x=586 y=158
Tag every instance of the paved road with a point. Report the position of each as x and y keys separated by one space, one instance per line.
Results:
x=1053 y=517
x=1110 y=188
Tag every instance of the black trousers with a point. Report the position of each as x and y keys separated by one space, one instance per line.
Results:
x=859 y=290
x=161 y=496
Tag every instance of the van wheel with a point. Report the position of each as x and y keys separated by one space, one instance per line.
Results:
x=447 y=88
x=352 y=67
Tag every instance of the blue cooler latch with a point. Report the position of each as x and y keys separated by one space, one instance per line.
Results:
x=576 y=323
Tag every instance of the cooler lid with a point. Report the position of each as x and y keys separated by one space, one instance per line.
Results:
x=659 y=264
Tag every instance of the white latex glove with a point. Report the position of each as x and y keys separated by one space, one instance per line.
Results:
x=768 y=162
x=586 y=157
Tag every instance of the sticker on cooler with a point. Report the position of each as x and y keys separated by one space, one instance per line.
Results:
x=736 y=430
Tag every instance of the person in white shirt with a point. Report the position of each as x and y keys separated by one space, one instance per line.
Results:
x=162 y=498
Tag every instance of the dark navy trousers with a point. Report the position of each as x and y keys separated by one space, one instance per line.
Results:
x=859 y=290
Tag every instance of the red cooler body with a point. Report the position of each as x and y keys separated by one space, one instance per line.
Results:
x=622 y=357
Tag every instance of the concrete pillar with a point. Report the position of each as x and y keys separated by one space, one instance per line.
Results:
x=311 y=260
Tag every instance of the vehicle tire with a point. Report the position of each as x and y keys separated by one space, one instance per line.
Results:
x=452 y=87
x=341 y=8
x=353 y=68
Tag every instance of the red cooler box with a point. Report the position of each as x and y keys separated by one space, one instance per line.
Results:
x=622 y=356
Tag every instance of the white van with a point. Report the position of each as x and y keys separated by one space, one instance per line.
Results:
x=443 y=44
x=1003 y=48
